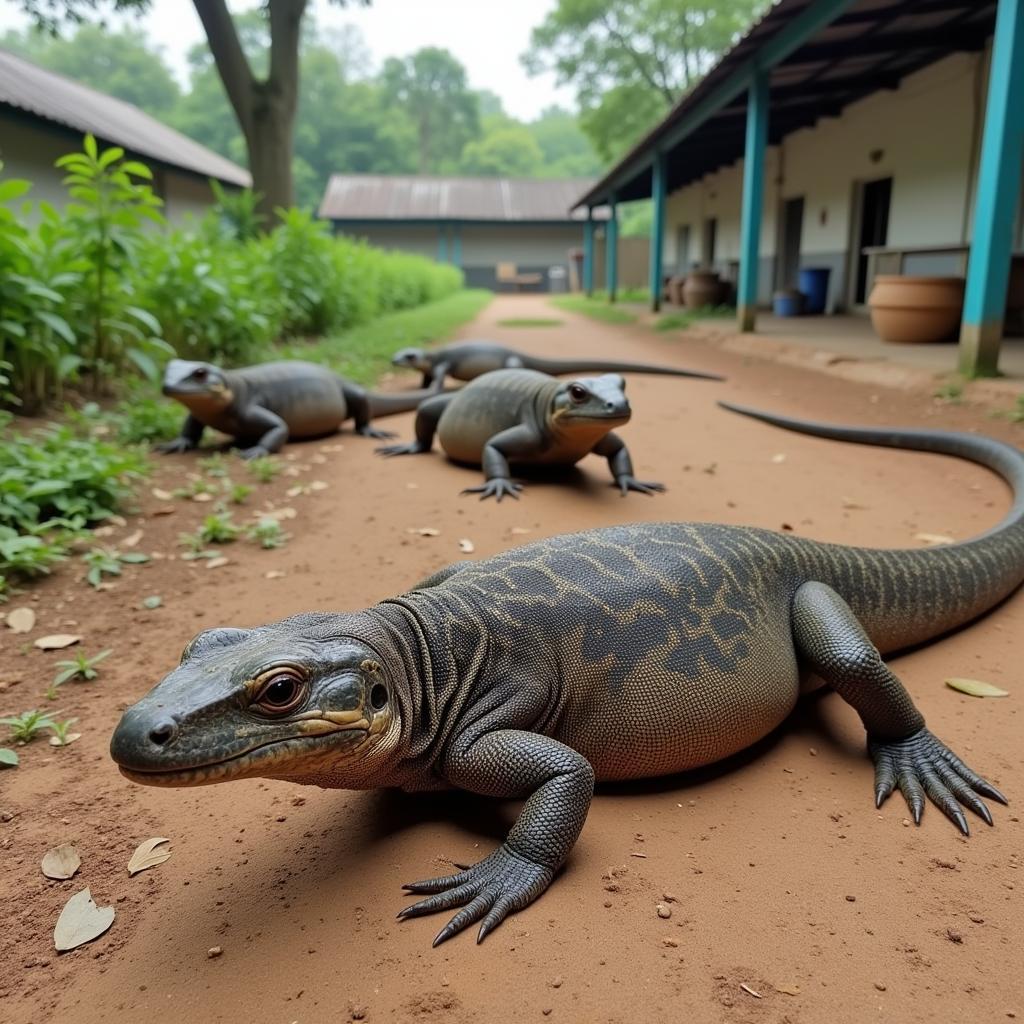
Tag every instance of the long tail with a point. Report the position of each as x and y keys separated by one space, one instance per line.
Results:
x=561 y=366
x=388 y=404
x=915 y=594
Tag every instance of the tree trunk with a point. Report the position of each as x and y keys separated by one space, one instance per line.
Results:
x=269 y=140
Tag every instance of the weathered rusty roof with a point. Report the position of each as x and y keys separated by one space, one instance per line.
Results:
x=52 y=97
x=423 y=198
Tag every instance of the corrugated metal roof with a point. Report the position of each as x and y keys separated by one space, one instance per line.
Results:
x=416 y=197
x=871 y=45
x=53 y=97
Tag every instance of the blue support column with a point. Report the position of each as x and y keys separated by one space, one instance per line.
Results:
x=999 y=179
x=457 y=244
x=658 y=190
x=442 y=243
x=588 y=253
x=611 y=249
x=753 y=194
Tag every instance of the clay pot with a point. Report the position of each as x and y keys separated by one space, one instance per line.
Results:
x=702 y=288
x=912 y=310
x=675 y=289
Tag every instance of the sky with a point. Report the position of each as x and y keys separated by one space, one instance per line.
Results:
x=485 y=36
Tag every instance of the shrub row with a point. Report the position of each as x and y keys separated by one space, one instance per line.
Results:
x=108 y=287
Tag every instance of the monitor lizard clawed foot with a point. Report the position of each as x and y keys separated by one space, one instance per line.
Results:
x=922 y=764
x=492 y=889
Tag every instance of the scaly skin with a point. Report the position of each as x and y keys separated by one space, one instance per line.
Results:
x=618 y=653
x=470 y=359
x=263 y=406
x=526 y=418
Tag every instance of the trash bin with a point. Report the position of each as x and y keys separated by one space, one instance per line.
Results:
x=788 y=302
x=813 y=282
x=558 y=279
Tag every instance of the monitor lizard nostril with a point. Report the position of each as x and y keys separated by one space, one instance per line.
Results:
x=163 y=732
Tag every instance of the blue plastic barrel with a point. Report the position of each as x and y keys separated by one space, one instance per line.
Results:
x=787 y=303
x=813 y=282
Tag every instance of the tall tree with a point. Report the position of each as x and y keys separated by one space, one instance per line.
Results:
x=565 y=149
x=636 y=57
x=431 y=86
x=122 y=63
x=507 y=151
x=264 y=103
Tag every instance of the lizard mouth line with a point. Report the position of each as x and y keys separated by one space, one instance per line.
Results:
x=233 y=766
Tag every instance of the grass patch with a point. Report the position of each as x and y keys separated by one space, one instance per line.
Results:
x=527 y=321
x=363 y=353
x=673 y=322
x=595 y=308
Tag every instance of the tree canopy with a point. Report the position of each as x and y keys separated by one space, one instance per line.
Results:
x=630 y=62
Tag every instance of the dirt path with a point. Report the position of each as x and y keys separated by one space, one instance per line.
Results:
x=786 y=878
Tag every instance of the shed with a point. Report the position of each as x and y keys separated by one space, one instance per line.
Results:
x=44 y=115
x=502 y=232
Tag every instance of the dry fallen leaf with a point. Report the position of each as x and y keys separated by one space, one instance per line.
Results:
x=147 y=856
x=788 y=989
x=749 y=990
x=216 y=563
x=103 y=531
x=850 y=503
x=117 y=520
x=294 y=492
x=318 y=485
x=202 y=496
x=81 y=921
x=274 y=574
x=934 y=538
x=132 y=539
x=69 y=737
x=424 y=531
x=163 y=510
x=779 y=458
x=57 y=641
x=519 y=530
x=21 y=620
x=276 y=513
x=466 y=546
x=161 y=495
x=61 y=862
x=976 y=688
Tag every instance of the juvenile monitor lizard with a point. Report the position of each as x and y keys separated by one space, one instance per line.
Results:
x=616 y=653
x=467 y=360
x=263 y=406
x=526 y=418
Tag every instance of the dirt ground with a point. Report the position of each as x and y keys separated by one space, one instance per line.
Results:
x=783 y=878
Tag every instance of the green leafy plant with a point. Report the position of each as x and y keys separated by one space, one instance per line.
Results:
x=60 y=731
x=268 y=533
x=237 y=494
x=111 y=203
x=214 y=465
x=265 y=468
x=106 y=562
x=8 y=758
x=197 y=486
x=24 y=727
x=952 y=391
x=217 y=528
x=676 y=321
x=79 y=667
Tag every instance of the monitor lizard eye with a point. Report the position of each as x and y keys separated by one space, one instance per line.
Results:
x=282 y=692
x=200 y=373
x=378 y=696
x=578 y=393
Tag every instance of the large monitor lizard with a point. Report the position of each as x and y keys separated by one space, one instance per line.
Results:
x=469 y=359
x=526 y=418
x=263 y=406
x=618 y=653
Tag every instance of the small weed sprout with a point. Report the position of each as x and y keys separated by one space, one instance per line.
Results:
x=60 y=730
x=952 y=392
x=237 y=493
x=268 y=533
x=79 y=667
x=25 y=726
x=214 y=465
x=265 y=468
x=105 y=562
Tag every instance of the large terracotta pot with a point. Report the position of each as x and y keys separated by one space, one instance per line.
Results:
x=675 y=289
x=910 y=310
x=702 y=288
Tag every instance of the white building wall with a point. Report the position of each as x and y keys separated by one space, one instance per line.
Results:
x=922 y=135
x=29 y=150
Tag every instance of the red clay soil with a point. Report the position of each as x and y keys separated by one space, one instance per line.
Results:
x=791 y=898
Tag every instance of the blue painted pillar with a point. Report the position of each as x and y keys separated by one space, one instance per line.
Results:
x=457 y=244
x=753 y=194
x=611 y=249
x=588 y=253
x=442 y=243
x=999 y=178
x=658 y=190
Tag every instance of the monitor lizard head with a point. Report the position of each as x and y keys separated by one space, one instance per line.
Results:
x=198 y=386
x=412 y=358
x=598 y=400
x=299 y=700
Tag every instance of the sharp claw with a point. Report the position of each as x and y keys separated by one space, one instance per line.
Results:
x=880 y=796
x=987 y=789
x=984 y=813
x=917 y=810
x=961 y=822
